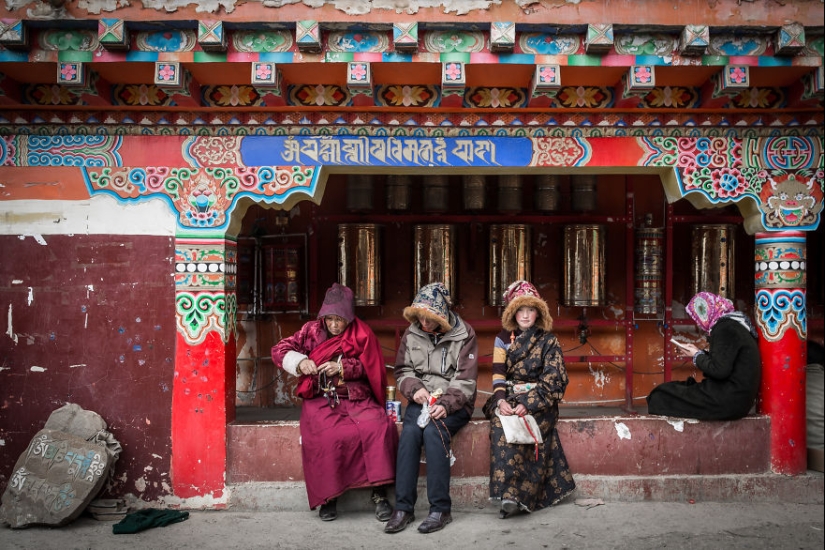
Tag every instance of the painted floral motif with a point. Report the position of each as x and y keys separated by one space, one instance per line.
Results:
x=671 y=96
x=49 y=94
x=496 y=97
x=406 y=96
x=560 y=152
x=759 y=98
x=262 y=41
x=166 y=41
x=213 y=151
x=68 y=40
x=319 y=95
x=140 y=94
x=199 y=313
x=449 y=41
x=548 y=44
x=645 y=44
x=730 y=45
x=585 y=96
x=232 y=96
x=342 y=41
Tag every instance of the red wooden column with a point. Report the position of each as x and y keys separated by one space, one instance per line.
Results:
x=203 y=389
x=781 y=321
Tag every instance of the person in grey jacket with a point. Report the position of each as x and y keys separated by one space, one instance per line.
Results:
x=436 y=369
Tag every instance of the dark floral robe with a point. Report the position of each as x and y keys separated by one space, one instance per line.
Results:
x=515 y=472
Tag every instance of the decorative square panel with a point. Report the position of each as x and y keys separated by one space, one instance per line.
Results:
x=113 y=34
x=502 y=36
x=211 y=36
x=546 y=78
x=168 y=73
x=694 y=40
x=14 y=34
x=599 y=38
x=640 y=78
x=405 y=36
x=308 y=35
x=790 y=39
x=359 y=77
x=265 y=74
x=452 y=76
x=734 y=78
x=71 y=73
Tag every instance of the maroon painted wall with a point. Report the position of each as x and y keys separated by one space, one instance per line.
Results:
x=101 y=325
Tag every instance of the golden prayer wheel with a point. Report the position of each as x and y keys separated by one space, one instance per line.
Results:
x=359 y=261
x=584 y=266
x=648 y=298
x=510 y=257
x=436 y=193
x=509 y=193
x=434 y=256
x=359 y=193
x=712 y=253
x=583 y=193
x=547 y=193
x=398 y=192
x=474 y=190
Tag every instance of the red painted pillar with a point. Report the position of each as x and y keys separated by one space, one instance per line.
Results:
x=204 y=384
x=781 y=320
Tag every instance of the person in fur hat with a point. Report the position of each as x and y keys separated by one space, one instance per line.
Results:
x=436 y=366
x=529 y=377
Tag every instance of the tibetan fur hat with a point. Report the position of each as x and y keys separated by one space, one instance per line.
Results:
x=431 y=302
x=520 y=294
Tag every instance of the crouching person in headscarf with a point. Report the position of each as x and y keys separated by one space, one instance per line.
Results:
x=731 y=366
x=436 y=370
x=347 y=439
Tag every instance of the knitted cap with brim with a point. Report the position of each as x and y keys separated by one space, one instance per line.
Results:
x=522 y=294
x=433 y=303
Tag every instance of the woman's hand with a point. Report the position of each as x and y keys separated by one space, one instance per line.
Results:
x=504 y=407
x=421 y=396
x=520 y=410
x=330 y=368
x=307 y=366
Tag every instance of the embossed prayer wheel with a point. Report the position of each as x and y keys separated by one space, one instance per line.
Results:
x=509 y=193
x=474 y=190
x=510 y=258
x=434 y=260
x=398 y=192
x=648 y=297
x=359 y=193
x=584 y=266
x=546 y=192
x=436 y=193
x=359 y=261
x=583 y=193
x=712 y=254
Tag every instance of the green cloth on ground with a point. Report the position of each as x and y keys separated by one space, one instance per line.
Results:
x=146 y=519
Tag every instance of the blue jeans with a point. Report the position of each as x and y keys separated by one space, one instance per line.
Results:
x=435 y=439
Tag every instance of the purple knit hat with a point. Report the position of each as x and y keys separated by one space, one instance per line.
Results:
x=339 y=301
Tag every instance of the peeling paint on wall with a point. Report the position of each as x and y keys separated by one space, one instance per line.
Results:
x=622 y=430
x=10 y=330
x=37 y=369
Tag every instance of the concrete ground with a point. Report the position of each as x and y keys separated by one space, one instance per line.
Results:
x=575 y=524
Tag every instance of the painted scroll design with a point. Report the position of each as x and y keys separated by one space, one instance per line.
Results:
x=560 y=152
x=202 y=197
x=199 y=313
x=66 y=150
x=784 y=174
x=779 y=311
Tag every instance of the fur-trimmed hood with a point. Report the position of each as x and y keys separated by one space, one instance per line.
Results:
x=523 y=294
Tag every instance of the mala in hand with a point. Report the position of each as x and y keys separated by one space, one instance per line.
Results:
x=328 y=389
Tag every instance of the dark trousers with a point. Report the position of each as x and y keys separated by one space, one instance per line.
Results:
x=435 y=439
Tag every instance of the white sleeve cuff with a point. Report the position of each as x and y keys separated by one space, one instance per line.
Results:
x=291 y=361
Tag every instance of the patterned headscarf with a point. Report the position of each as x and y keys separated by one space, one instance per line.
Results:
x=706 y=308
x=432 y=302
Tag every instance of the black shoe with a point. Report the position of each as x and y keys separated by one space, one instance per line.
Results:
x=508 y=508
x=399 y=521
x=436 y=521
x=328 y=511
x=383 y=510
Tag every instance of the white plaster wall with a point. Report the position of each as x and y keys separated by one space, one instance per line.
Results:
x=100 y=215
